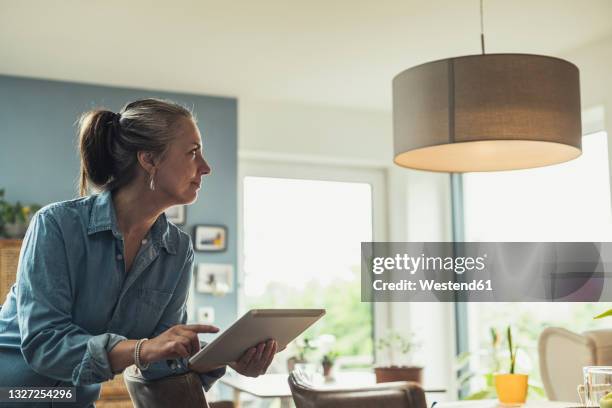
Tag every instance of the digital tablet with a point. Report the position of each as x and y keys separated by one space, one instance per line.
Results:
x=256 y=326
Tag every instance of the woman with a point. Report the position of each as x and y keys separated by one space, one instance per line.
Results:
x=103 y=279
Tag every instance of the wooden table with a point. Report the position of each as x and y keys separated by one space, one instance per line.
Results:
x=264 y=386
x=277 y=385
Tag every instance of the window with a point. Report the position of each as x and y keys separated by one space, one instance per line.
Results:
x=301 y=248
x=565 y=202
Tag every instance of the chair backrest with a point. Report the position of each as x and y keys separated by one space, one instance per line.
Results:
x=183 y=391
x=113 y=392
x=563 y=354
x=389 y=395
x=602 y=341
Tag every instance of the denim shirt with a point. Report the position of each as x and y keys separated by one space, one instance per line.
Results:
x=73 y=300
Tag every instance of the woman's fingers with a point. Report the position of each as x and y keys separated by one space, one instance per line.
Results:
x=180 y=348
x=271 y=350
x=178 y=341
x=259 y=364
x=252 y=365
x=248 y=356
x=270 y=357
x=199 y=328
x=190 y=332
x=194 y=341
x=260 y=349
x=256 y=360
x=266 y=354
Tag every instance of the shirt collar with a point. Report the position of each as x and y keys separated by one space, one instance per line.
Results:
x=103 y=219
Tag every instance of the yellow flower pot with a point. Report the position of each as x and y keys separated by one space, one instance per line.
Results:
x=511 y=388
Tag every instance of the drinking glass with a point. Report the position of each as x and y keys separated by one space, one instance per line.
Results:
x=597 y=385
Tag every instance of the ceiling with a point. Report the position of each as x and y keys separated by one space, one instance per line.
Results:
x=333 y=52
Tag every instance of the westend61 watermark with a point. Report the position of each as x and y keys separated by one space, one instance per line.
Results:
x=486 y=271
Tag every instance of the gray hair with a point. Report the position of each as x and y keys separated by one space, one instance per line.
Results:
x=109 y=141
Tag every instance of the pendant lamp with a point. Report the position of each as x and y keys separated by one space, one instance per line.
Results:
x=487 y=112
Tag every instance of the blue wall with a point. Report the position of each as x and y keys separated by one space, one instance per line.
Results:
x=39 y=161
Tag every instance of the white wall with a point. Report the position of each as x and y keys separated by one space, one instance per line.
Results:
x=595 y=64
x=316 y=133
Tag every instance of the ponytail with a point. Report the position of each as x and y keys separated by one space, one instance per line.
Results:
x=96 y=132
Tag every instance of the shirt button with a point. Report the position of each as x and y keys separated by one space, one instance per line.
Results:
x=119 y=257
x=144 y=241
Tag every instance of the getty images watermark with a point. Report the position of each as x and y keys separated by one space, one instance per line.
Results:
x=486 y=271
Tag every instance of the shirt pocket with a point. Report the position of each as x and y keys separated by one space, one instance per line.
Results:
x=150 y=305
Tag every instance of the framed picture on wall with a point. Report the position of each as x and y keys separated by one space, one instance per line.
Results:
x=176 y=214
x=215 y=279
x=210 y=238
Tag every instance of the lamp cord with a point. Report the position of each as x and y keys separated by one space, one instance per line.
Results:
x=482 y=40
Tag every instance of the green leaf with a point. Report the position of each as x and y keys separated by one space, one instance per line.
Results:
x=465 y=378
x=463 y=359
x=494 y=336
x=482 y=394
x=536 y=390
x=604 y=314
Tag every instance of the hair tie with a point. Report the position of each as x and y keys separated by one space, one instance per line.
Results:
x=116 y=118
x=115 y=121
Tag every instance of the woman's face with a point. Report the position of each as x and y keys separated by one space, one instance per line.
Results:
x=179 y=175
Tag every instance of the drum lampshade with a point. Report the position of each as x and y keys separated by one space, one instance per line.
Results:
x=487 y=112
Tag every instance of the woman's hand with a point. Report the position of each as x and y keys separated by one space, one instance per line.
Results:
x=178 y=341
x=256 y=360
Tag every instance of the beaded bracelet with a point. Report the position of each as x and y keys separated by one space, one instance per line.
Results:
x=137 y=362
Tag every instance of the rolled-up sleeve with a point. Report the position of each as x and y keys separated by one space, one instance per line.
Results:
x=176 y=313
x=51 y=343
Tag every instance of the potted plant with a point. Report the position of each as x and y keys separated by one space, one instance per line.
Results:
x=14 y=218
x=302 y=349
x=327 y=362
x=492 y=364
x=397 y=345
x=511 y=388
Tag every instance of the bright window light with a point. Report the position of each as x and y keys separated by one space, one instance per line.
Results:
x=302 y=243
x=565 y=202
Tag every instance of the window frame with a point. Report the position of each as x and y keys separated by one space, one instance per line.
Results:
x=375 y=176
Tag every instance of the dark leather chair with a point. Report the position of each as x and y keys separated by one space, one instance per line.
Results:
x=183 y=391
x=389 y=395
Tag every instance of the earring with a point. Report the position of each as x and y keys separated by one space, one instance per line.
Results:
x=152 y=182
